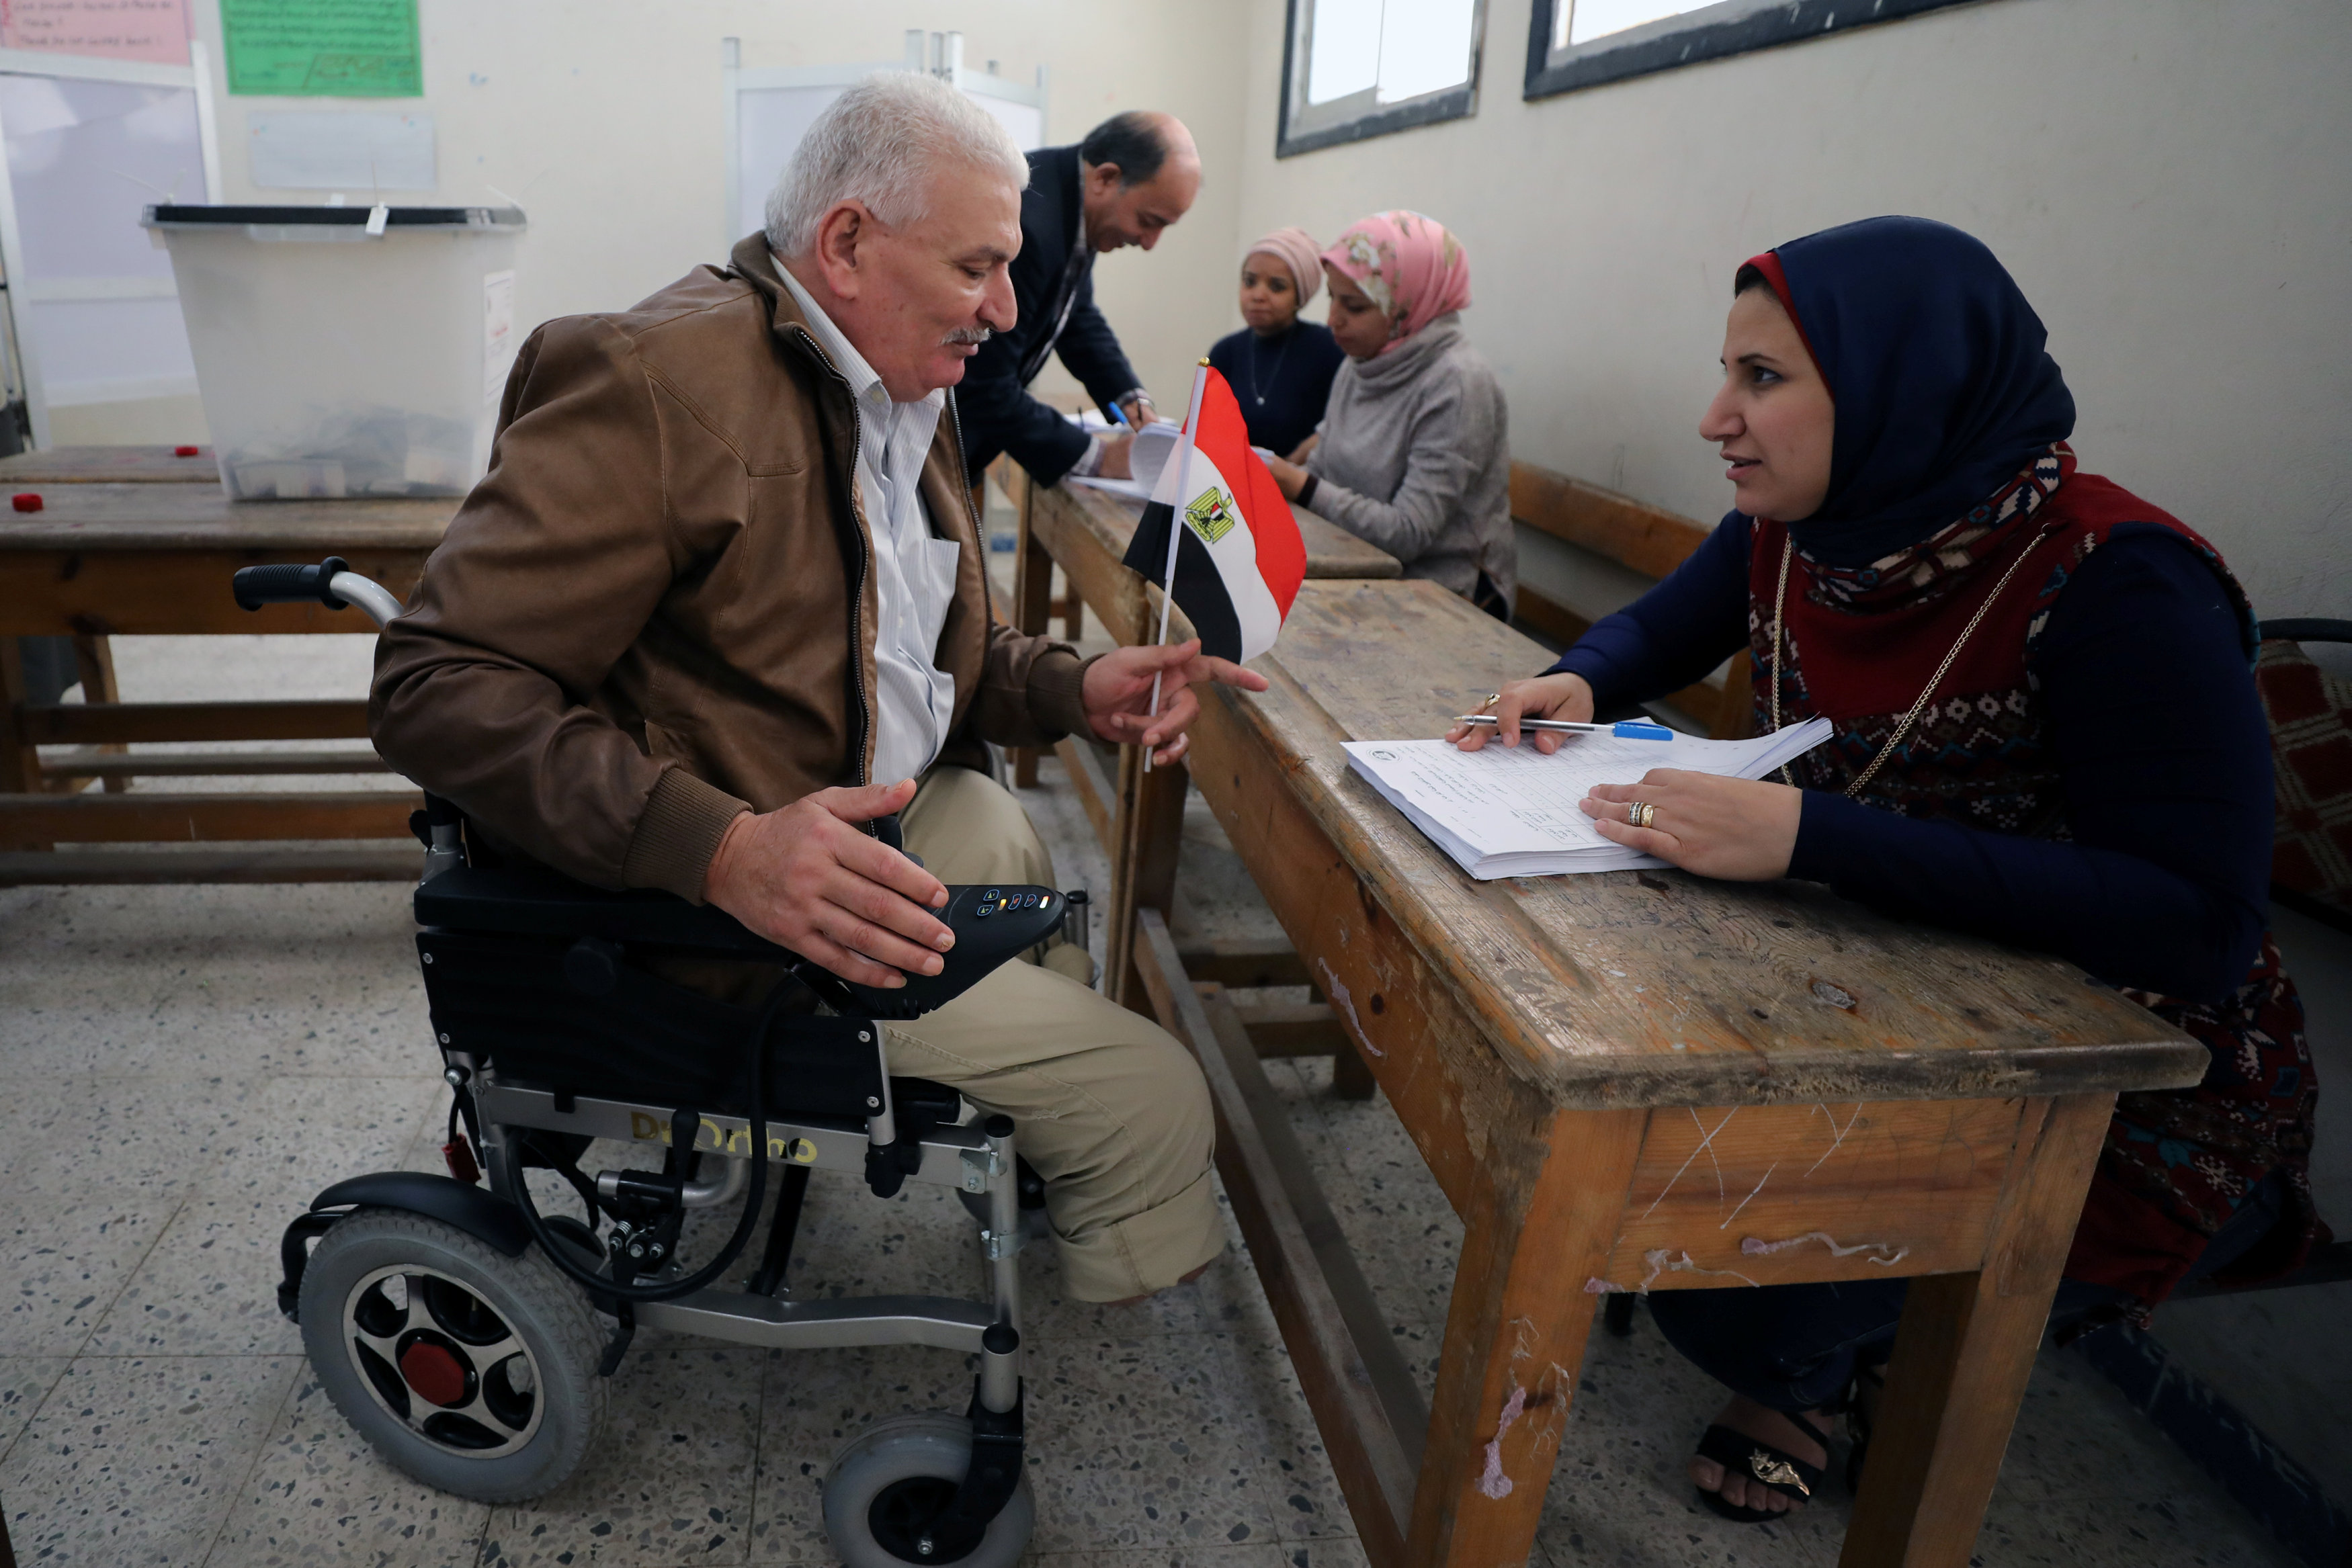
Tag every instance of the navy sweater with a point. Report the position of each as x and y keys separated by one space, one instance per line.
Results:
x=2163 y=755
x=1293 y=372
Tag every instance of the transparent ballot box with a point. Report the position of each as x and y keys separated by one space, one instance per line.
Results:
x=346 y=352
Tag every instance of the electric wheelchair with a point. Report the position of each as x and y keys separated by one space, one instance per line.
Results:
x=467 y=1335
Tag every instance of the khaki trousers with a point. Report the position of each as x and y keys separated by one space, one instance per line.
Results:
x=1111 y=1111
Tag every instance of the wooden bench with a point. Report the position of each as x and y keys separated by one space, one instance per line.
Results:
x=123 y=557
x=91 y=658
x=1640 y=537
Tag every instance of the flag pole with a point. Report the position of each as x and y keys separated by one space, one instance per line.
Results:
x=1175 y=529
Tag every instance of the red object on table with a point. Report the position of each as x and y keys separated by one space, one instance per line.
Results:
x=187 y=451
x=26 y=502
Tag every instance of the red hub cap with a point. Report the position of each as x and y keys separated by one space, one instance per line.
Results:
x=434 y=1373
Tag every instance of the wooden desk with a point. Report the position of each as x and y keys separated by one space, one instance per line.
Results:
x=92 y=659
x=108 y=465
x=1630 y=1082
x=106 y=559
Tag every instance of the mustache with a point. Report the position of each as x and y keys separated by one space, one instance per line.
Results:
x=969 y=335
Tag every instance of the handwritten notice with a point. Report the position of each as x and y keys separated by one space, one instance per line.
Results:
x=155 y=31
x=322 y=48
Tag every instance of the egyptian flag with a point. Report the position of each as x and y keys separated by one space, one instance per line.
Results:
x=1239 y=559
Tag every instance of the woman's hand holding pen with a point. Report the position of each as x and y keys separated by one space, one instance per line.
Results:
x=1736 y=828
x=1546 y=696
x=1741 y=830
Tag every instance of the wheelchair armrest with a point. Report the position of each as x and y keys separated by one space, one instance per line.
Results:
x=535 y=902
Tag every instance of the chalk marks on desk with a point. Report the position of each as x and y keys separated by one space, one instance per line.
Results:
x=1724 y=1224
x=1707 y=1147
x=1837 y=1141
x=1337 y=992
x=1545 y=1407
x=1881 y=1187
x=1885 y=1254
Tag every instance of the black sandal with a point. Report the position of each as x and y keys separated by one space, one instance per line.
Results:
x=1742 y=1455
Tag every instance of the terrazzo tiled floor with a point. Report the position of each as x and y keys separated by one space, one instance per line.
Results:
x=181 y=1068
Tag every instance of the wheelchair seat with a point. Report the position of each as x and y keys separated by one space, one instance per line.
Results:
x=530 y=900
x=990 y=926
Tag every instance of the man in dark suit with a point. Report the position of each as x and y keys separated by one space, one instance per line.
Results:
x=1133 y=175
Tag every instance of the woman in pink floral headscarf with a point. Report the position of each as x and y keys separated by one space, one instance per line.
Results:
x=1412 y=453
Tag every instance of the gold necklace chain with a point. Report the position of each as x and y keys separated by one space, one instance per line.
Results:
x=1779 y=605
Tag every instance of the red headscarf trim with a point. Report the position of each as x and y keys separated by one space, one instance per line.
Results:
x=1769 y=264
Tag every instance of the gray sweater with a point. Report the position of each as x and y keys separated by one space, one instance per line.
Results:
x=1415 y=458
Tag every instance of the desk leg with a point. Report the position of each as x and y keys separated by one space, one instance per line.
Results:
x=20 y=760
x=1541 y=1225
x=1033 y=592
x=1965 y=1350
x=1144 y=871
x=94 y=659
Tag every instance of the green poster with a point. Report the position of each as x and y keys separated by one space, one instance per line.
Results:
x=323 y=49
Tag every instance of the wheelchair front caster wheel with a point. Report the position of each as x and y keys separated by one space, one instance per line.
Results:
x=884 y=1489
x=474 y=1372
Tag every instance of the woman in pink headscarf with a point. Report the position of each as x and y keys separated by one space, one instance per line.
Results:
x=1279 y=367
x=1412 y=453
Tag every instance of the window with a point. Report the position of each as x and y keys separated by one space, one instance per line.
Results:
x=1584 y=43
x=92 y=309
x=1354 y=68
x=769 y=108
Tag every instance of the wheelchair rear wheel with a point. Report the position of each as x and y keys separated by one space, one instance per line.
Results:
x=474 y=1372
x=884 y=1488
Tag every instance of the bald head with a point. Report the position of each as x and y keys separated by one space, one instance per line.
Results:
x=1137 y=173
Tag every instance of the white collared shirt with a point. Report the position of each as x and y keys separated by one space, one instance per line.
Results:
x=914 y=573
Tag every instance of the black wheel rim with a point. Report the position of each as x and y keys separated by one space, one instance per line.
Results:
x=501 y=1400
x=901 y=1516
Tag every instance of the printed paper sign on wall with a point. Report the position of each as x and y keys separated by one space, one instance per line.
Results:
x=322 y=48
x=152 y=30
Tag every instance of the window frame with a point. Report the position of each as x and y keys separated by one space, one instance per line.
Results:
x=1429 y=109
x=1611 y=58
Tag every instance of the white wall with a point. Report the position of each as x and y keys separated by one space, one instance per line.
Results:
x=603 y=118
x=2171 y=181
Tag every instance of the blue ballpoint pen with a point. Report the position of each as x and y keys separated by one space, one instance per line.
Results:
x=1623 y=729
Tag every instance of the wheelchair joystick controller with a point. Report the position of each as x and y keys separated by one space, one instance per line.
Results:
x=990 y=926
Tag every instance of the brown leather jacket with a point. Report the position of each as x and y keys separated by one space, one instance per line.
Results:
x=654 y=612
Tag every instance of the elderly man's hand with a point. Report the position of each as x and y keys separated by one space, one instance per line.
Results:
x=1119 y=693
x=808 y=878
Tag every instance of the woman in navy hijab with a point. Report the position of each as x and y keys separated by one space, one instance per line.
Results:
x=2045 y=732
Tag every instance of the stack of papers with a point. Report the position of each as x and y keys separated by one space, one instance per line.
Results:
x=1509 y=810
x=1154 y=445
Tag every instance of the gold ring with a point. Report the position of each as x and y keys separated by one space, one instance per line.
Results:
x=1641 y=814
x=1492 y=698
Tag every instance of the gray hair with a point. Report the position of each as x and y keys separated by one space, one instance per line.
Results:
x=880 y=143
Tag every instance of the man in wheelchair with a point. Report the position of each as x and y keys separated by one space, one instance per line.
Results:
x=720 y=604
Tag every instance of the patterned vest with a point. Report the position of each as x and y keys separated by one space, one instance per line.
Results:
x=1859 y=646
